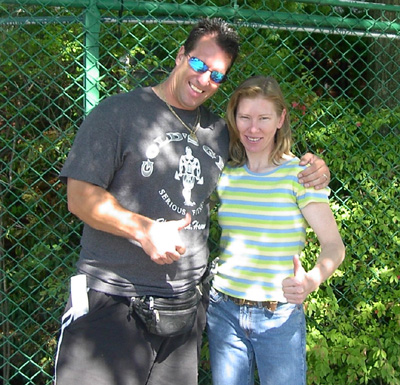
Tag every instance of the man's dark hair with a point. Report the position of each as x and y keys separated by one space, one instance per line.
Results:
x=225 y=36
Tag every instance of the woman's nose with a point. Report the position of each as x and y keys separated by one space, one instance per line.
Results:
x=253 y=126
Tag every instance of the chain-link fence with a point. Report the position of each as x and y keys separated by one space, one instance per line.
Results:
x=339 y=64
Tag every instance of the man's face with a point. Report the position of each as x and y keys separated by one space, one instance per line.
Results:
x=189 y=88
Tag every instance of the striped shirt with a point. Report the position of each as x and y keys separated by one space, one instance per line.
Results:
x=262 y=229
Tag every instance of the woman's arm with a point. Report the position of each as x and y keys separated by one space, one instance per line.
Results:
x=320 y=217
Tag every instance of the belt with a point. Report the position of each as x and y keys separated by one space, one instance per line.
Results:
x=269 y=305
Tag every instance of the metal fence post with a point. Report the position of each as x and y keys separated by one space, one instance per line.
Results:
x=92 y=73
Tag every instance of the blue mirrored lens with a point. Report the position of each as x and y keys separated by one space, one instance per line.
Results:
x=217 y=77
x=199 y=66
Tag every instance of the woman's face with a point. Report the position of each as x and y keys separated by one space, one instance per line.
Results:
x=257 y=122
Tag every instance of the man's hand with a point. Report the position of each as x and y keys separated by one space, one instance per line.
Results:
x=317 y=175
x=296 y=288
x=100 y=210
x=163 y=243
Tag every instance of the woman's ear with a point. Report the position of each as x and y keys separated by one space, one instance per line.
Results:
x=282 y=119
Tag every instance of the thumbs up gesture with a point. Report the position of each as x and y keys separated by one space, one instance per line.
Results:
x=295 y=289
x=162 y=241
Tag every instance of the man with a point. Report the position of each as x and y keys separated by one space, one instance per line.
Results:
x=146 y=229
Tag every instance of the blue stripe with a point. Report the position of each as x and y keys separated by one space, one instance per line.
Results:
x=262 y=177
x=309 y=195
x=270 y=244
x=247 y=281
x=291 y=217
x=262 y=257
x=242 y=202
x=255 y=191
x=293 y=231
x=264 y=271
x=235 y=293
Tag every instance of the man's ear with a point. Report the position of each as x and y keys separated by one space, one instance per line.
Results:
x=180 y=55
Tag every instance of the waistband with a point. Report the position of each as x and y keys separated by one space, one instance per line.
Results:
x=268 y=305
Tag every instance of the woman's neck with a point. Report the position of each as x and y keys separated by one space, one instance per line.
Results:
x=263 y=164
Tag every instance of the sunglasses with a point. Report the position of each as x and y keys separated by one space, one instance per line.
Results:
x=200 y=67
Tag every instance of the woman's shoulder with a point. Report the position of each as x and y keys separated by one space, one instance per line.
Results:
x=291 y=163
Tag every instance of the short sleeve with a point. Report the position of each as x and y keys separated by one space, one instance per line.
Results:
x=310 y=195
x=93 y=157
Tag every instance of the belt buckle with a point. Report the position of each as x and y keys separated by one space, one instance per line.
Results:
x=240 y=301
x=271 y=305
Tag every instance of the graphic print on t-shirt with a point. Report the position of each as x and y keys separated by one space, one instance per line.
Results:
x=192 y=168
x=190 y=172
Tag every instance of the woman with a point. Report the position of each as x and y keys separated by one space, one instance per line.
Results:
x=256 y=315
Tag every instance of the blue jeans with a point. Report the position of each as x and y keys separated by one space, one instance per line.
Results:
x=241 y=337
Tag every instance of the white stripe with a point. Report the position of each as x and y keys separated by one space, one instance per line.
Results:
x=79 y=307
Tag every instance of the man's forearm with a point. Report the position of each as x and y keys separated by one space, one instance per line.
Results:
x=100 y=210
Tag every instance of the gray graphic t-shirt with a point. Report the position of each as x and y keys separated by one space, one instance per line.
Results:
x=135 y=148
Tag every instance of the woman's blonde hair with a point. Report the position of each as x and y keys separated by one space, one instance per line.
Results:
x=268 y=88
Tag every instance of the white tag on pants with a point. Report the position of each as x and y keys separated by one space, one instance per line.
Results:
x=79 y=297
